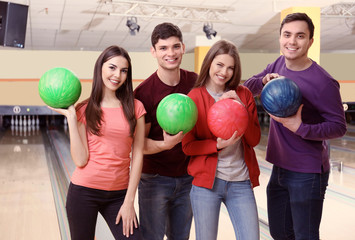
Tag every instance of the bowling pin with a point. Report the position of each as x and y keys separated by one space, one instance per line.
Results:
x=16 y=120
x=29 y=120
x=65 y=125
x=33 y=128
x=29 y=131
x=12 y=120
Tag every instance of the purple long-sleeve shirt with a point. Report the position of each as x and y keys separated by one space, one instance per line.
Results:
x=323 y=118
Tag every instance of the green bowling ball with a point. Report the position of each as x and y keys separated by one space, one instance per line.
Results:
x=176 y=112
x=59 y=88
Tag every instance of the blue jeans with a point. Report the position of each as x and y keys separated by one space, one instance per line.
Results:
x=295 y=203
x=240 y=202
x=164 y=207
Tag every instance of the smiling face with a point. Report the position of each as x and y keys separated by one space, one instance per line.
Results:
x=221 y=71
x=114 y=73
x=169 y=53
x=295 y=41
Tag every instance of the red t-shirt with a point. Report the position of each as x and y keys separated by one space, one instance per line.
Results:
x=173 y=162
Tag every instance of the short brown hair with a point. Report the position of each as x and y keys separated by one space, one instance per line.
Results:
x=299 y=17
x=164 y=31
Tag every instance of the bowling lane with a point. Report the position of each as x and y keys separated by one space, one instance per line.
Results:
x=343 y=149
x=64 y=165
x=27 y=209
x=27 y=204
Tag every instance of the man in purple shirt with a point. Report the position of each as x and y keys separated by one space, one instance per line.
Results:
x=297 y=145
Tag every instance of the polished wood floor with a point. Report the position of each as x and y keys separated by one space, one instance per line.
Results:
x=28 y=211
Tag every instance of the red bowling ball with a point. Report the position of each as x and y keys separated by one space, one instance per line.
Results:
x=227 y=116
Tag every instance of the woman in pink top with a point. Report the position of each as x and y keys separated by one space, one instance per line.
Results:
x=104 y=129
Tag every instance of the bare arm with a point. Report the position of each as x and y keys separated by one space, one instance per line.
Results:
x=77 y=133
x=154 y=146
x=127 y=212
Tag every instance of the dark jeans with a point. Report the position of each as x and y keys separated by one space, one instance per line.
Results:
x=164 y=207
x=295 y=204
x=83 y=206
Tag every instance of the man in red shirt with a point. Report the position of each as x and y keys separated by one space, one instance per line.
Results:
x=164 y=201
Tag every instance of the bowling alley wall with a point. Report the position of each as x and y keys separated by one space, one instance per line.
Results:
x=20 y=70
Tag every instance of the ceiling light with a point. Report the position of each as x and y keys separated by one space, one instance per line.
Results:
x=132 y=25
x=208 y=29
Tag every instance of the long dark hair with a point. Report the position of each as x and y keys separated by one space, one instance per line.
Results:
x=93 y=112
x=221 y=47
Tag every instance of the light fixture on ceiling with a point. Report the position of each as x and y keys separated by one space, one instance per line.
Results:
x=208 y=29
x=132 y=25
x=160 y=10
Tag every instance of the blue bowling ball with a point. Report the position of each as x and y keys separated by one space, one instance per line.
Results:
x=281 y=97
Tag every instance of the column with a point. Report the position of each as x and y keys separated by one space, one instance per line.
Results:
x=314 y=14
x=202 y=46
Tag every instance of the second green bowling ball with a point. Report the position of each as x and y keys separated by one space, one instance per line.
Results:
x=176 y=112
